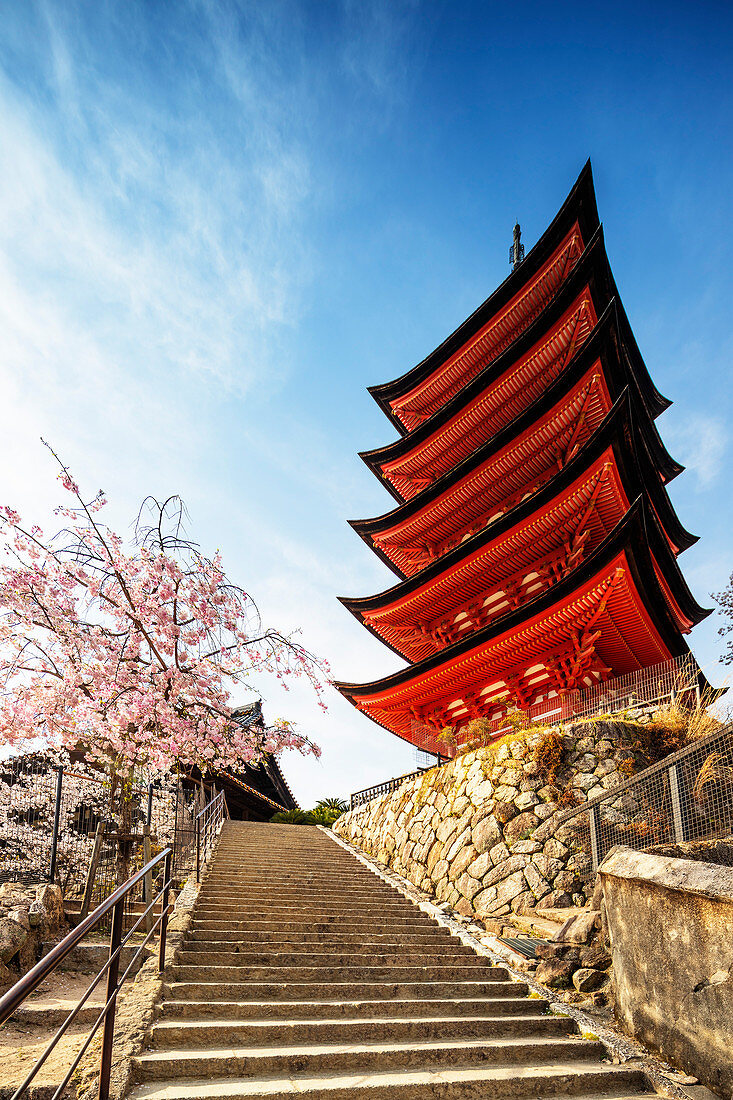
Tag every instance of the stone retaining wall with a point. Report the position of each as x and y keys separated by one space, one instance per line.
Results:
x=482 y=833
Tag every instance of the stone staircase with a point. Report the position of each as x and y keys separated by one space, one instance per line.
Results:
x=304 y=972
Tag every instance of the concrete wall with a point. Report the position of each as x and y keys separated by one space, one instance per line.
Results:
x=671 y=928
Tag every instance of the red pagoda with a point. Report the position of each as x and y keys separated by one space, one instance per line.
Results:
x=533 y=537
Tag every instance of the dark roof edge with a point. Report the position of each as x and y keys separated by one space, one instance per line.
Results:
x=579 y=205
x=543 y=404
x=593 y=270
x=629 y=534
x=618 y=430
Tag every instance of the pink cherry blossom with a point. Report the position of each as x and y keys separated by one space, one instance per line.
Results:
x=132 y=653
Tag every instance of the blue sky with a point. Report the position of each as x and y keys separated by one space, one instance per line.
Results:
x=220 y=222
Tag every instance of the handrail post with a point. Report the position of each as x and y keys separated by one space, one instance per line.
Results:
x=593 y=823
x=56 y=821
x=108 y=1035
x=198 y=849
x=164 y=918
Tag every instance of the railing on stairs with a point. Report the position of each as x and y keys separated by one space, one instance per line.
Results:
x=114 y=904
x=208 y=826
x=360 y=798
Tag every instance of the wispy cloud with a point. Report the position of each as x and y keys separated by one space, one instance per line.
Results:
x=700 y=442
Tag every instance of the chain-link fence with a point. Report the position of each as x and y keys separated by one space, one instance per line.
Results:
x=686 y=796
x=58 y=820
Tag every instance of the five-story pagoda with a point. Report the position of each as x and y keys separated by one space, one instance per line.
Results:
x=533 y=537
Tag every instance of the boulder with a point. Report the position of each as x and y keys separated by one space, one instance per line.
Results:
x=526 y=800
x=537 y=884
x=551 y=950
x=586 y=980
x=482 y=792
x=20 y=916
x=520 y=827
x=499 y=853
x=486 y=834
x=595 y=957
x=52 y=900
x=504 y=869
x=504 y=811
x=510 y=887
x=462 y=839
x=480 y=865
x=554 y=849
x=555 y=973
x=466 y=855
x=12 y=938
x=468 y=886
x=36 y=914
x=433 y=856
x=558 y=899
x=524 y=902
x=581 y=928
x=526 y=847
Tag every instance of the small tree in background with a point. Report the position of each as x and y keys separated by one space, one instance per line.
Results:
x=724 y=601
x=130 y=654
x=325 y=812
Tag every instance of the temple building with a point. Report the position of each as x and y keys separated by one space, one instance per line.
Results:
x=254 y=792
x=533 y=538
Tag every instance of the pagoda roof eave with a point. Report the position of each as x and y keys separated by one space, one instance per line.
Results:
x=629 y=536
x=591 y=271
x=638 y=477
x=594 y=348
x=611 y=318
x=580 y=206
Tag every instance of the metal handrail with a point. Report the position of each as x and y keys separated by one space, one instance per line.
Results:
x=26 y=985
x=213 y=815
x=360 y=798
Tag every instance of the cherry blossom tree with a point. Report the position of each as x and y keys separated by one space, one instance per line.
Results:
x=131 y=653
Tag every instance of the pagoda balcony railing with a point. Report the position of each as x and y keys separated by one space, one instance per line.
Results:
x=634 y=695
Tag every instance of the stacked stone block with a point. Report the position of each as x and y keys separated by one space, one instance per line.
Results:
x=483 y=832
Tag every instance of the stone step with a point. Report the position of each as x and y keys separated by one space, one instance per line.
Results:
x=298 y=896
x=286 y=1033
x=295 y=880
x=361 y=1057
x=562 y=1081
x=458 y=955
x=557 y=917
x=328 y=924
x=248 y=908
x=356 y=1010
x=434 y=972
x=304 y=973
x=327 y=990
x=299 y=899
x=534 y=926
x=437 y=939
x=297 y=873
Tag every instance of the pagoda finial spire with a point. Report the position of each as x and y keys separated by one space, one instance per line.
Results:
x=516 y=251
